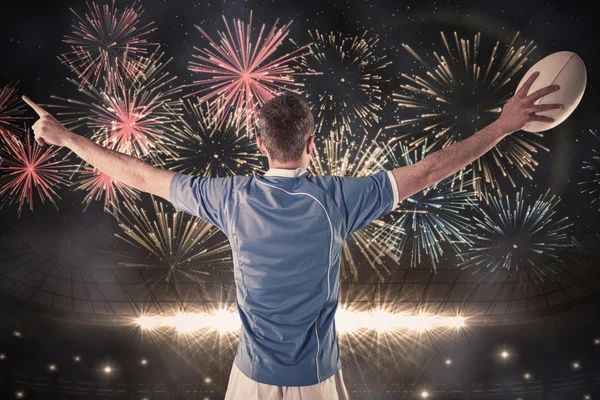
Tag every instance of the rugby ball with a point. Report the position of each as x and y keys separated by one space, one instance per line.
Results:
x=565 y=69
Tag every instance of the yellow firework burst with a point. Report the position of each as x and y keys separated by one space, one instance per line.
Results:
x=462 y=92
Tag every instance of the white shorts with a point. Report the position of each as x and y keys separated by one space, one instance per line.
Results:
x=240 y=387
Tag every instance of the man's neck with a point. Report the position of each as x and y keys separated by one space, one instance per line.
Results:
x=294 y=165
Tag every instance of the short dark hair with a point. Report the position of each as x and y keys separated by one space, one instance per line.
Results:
x=285 y=123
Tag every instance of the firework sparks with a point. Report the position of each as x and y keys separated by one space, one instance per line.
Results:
x=592 y=186
x=211 y=149
x=357 y=160
x=135 y=119
x=431 y=217
x=244 y=74
x=460 y=95
x=11 y=109
x=107 y=45
x=174 y=240
x=348 y=83
x=29 y=167
x=517 y=237
x=100 y=186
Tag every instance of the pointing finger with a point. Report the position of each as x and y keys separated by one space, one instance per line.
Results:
x=527 y=85
x=541 y=93
x=39 y=110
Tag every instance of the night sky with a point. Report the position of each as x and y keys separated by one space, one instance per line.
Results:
x=31 y=34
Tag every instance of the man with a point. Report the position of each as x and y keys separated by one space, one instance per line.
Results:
x=286 y=230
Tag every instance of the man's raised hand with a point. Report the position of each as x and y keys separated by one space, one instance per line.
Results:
x=48 y=129
x=520 y=110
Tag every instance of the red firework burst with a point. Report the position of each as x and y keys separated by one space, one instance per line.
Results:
x=244 y=75
x=100 y=186
x=11 y=108
x=132 y=123
x=107 y=45
x=136 y=118
x=29 y=167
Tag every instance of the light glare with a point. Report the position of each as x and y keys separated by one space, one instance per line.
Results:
x=346 y=322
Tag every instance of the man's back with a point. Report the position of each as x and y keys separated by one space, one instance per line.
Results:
x=286 y=230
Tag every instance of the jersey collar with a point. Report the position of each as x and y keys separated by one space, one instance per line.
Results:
x=286 y=173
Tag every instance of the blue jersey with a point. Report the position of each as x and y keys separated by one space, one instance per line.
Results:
x=286 y=230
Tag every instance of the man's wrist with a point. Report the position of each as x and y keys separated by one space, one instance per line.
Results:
x=71 y=140
x=501 y=129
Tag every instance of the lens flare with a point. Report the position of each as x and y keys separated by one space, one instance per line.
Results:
x=347 y=322
x=460 y=95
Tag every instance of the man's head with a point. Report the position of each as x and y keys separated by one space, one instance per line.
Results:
x=286 y=127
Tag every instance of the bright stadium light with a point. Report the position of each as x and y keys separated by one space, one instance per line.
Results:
x=346 y=322
x=424 y=394
x=148 y=322
x=107 y=369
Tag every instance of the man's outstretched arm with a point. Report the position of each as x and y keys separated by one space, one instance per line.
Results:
x=121 y=167
x=517 y=113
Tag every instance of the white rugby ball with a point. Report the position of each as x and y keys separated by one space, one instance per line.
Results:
x=565 y=69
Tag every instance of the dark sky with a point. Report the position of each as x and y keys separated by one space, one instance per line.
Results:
x=31 y=35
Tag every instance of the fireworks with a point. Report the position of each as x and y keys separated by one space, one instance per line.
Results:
x=11 y=109
x=518 y=237
x=135 y=119
x=461 y=95
x=173 y=240
x=210 y=149
x=349 y=82
x=244 y=74
x=592 y=186
x=29 y=167
x=353 y=160
x=100 y=186
x=431 y=217
x=107 y=46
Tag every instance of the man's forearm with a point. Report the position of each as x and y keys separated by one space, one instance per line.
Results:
x=455 y=157
x=519 y=111
x=437 y=166
x=121 y=167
